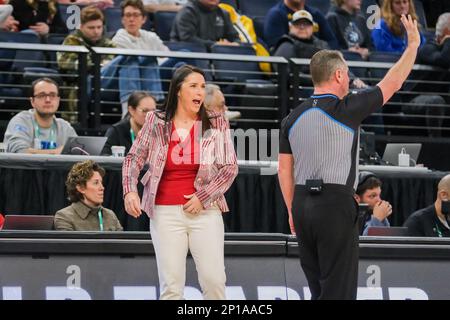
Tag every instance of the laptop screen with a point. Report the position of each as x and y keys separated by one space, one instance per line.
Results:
x=88 y=146
x=28 y=222
x=393 y=149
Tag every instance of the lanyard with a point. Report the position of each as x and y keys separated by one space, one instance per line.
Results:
x=133 y=136
x=37 y=131
x=100 y=218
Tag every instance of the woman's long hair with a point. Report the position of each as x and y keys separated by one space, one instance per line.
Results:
x=171 y=104
x=393 y=20
x=51 y=7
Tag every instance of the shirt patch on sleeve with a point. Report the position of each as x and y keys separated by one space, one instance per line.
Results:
x=19 y=127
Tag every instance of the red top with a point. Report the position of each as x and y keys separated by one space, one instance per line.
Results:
x=180 y=170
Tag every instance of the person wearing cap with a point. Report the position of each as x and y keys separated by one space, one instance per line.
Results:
x=300 y=42
x=369 y=192
x=276 y=22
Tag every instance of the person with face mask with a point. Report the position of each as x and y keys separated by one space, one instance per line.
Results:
x=433 y=221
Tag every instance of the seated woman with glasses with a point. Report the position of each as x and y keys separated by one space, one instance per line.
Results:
x=124 y=132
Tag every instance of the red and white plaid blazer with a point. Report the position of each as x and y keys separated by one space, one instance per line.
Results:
x=218 y=166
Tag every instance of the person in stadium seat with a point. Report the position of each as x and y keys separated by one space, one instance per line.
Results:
x=369 y=192
x=350 y=27
x=126 y=130
x=40 y=16
x=85 y=190
x=276 y=23
x=203 y=21
x=7 y=21
x=388 y=35
x=89 y=34
x=38 y=130
x=437 y=53
x=215 y=101
x=149 y=69
x=434 y=220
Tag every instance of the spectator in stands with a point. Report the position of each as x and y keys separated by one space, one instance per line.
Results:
x=301 y=43
x=389 y=34
x=369 y=192
x=89 y=34
x=437 y=53
x=85 y=189
x=433 y=221
x=7 y=21
x=164 y=5
x=203 y=21
x=215 y=101
x=101 y=4
x=132 y=36
x=126 y=130
x=277 y=22
x=38 y=130
x=350 y=27
x=183 y=195
x=40 y=16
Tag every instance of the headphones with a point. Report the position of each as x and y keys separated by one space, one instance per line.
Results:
x=364 y=176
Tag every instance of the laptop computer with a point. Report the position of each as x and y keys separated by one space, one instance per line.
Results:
x=388 y=231
x=28 y=222
x=393 y=149
x=84 y=145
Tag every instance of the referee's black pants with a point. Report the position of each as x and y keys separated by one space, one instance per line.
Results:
x=326 y=225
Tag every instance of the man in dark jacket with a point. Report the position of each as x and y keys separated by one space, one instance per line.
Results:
x=437 y=53
x=205 y=22
x=433 y=221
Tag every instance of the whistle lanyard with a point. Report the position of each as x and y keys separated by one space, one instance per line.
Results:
x=100 y=218
x=37 y=131
x=133 y=136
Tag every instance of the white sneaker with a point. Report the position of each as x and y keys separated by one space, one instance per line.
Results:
x=230 y=115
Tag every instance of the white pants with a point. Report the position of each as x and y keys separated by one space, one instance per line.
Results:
x=173 y=233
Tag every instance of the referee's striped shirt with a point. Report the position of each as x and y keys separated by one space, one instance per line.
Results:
x=322 y=134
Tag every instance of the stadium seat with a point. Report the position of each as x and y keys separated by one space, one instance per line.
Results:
x=254 y=8
x=322 y=5
x=354 y=56
x=163 y=21
x=245 y=79
x=113 y=20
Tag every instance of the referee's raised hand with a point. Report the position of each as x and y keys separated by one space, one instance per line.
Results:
x=412 y=31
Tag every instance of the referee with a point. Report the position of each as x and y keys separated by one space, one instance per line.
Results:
x=318 y=166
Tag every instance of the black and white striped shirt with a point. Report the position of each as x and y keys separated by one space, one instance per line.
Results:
x=322 y=134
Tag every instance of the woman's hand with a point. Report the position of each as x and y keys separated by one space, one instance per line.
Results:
x=133 y=204
x=193 y=206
